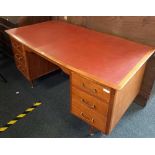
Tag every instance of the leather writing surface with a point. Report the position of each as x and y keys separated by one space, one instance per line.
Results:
x=104 y=56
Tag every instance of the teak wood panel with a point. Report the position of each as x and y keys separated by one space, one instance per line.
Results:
x=124 y=97
x=20 y=60
x=17 y=45
x=94 y=104
x=91 y=87
x=120 y=100
x=147 y=83
x=37 y=66
x=20 y=57
x=87 y=106
x=91 y=117
x=30 y=64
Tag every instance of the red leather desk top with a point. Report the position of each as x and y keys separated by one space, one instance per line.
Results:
x=104 y=57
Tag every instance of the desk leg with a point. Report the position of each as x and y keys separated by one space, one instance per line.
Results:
x=91 y=130
x=32 y=83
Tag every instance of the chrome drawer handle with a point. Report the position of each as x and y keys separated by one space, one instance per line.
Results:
x=92 y=90
x=106 y=90
x=88 y=104
x=87 y=118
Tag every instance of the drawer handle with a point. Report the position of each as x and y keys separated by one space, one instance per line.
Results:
x=17 y=56
x=87 y=118
x=88 y=104
x=106 y=90
x=92 y=90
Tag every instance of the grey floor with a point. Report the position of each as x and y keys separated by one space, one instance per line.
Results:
x=52 y=118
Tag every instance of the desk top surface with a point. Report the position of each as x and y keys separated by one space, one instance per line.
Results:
x=107 y=59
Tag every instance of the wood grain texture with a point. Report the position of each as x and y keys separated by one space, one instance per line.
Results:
x=91 y=87
x=94 y=117
x=20 y=57
x=89 y=101
x=147 y=83
x=92 y=103
x=123 y=98
x=28 y=63
x=36 y=65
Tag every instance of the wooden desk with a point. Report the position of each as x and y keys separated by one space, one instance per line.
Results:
x=105 y=71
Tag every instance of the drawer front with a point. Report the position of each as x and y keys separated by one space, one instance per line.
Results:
x=88 y=117
x=17 y=45
x=20 y=61
x=21 y=66
x=91 y=87
x=22 y=69
x=81 y=98
x=19 y=56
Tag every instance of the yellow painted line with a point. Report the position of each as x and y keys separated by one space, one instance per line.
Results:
x=37 y=103
x=3 y=129
x=12 y=122
x=21 y=115
x=30 y=109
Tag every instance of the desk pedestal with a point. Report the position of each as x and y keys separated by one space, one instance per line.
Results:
x=100 y=106
x=30 y=64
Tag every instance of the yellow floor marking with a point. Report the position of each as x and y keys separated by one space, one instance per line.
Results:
x=21 y=115
x=3 y=128
x=30 y=109
x=37 y=104
x=12 y=122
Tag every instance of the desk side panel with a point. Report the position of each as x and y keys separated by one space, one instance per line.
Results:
x=124 y=98
x=37 y=66
x=147 y=83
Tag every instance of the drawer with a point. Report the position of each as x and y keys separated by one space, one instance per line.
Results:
x=81 y=98
x=20 y=61
x=19 y=57
x=22 y=69
x=17 y=45
x=91 y=87
x=88 y=117
x=21 y=66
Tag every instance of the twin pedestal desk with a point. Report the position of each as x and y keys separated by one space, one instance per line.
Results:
x=105 y=71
